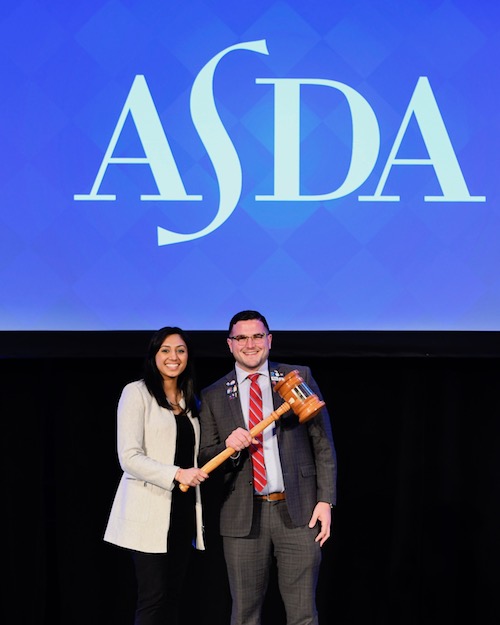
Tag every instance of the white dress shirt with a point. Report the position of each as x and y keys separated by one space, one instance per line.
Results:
x=275 y=482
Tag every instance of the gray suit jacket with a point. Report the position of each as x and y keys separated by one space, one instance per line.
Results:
x=307 y=453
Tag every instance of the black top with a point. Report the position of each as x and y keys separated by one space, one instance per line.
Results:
x=182 y=519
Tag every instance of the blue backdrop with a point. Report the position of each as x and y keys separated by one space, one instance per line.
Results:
x=333 y=164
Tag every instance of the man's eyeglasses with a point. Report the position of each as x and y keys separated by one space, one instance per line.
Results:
x=241 y=339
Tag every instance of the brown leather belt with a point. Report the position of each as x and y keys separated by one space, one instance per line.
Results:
x=271 y=497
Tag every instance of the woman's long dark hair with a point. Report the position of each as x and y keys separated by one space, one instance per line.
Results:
x=185 y=381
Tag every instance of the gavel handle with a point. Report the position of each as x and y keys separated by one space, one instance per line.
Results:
x=229 y=451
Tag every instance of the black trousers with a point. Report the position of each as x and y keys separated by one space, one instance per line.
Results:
x=160 y=576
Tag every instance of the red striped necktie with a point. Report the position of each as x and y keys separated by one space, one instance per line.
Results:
x=256 y=451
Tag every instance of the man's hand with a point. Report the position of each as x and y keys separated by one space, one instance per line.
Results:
x=239 y=439
x=323 y=513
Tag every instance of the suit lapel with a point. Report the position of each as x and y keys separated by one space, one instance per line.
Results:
x=233 y=400
x=276 y=372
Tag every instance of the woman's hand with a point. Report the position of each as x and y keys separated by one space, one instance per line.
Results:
x=190 y=477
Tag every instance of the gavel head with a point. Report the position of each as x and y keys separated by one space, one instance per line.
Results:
x=304 y=403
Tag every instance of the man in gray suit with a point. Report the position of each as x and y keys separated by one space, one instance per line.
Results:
x=286 y=512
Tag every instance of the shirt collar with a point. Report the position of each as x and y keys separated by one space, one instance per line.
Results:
x=242 y=375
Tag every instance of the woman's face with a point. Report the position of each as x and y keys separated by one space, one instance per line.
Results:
x=172 y=357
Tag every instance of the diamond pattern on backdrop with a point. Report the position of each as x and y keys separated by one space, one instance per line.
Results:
x=95 y=265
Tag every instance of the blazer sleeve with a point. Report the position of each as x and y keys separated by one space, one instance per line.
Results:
x=210 y=442
x=321 y=437
x=141 y=458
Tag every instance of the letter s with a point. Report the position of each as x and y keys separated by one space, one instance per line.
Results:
x=219 y=146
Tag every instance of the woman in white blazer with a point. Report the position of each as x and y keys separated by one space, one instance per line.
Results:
x=158 y=442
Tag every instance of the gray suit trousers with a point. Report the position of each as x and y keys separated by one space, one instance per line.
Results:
x=248 y=562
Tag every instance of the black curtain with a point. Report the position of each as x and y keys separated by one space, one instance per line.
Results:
x=415 y=532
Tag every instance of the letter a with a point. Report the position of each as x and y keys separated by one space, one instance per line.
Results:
x=441 y=154
x=159 y=156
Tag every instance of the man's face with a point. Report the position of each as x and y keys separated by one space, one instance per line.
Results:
x=252 y=348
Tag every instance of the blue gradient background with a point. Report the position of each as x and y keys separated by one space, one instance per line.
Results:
x=66 y=70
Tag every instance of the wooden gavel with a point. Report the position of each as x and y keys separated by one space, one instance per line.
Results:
x=298 y=397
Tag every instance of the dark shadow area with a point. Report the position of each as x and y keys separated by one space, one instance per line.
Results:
x=415 y=533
